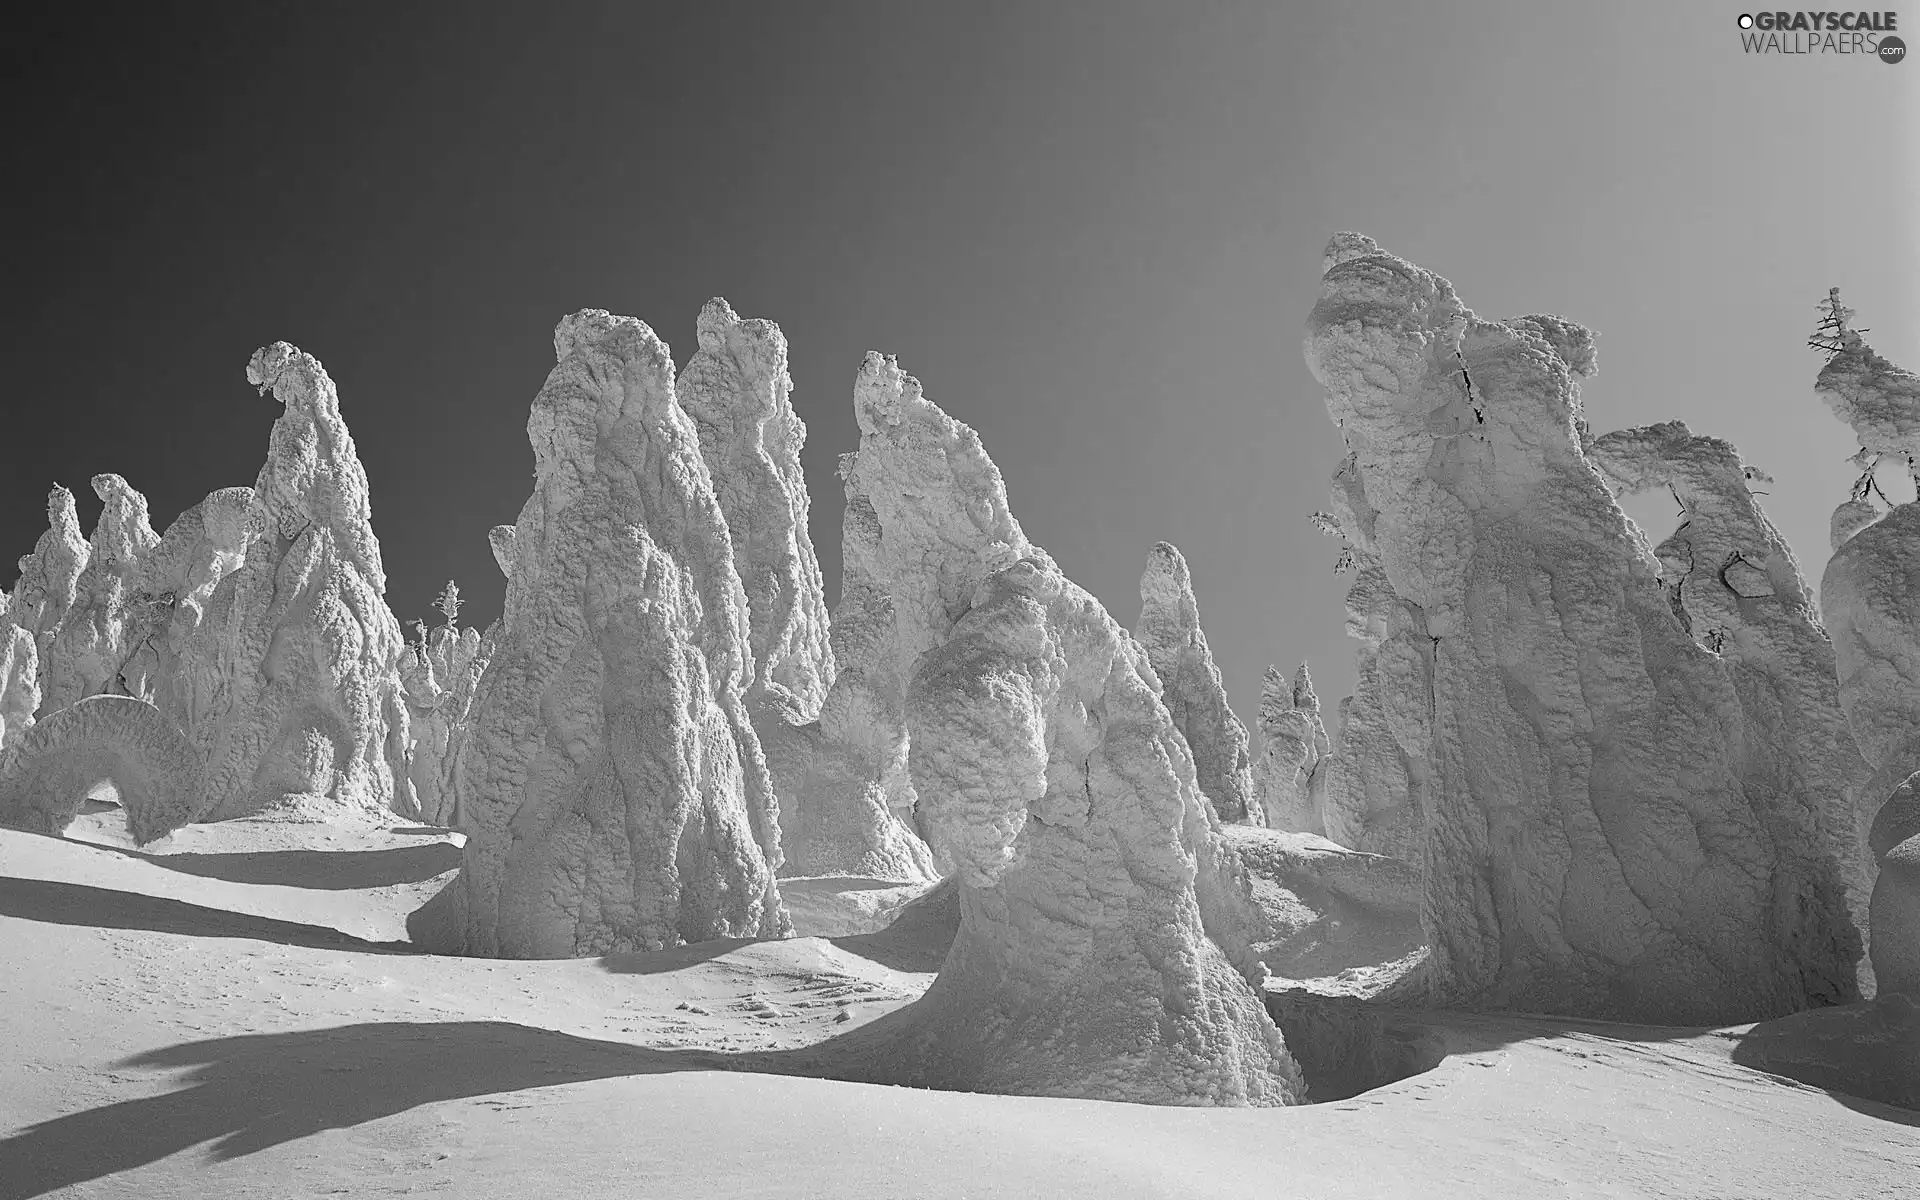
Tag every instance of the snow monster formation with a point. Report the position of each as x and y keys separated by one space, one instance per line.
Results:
x=736 y=389
x=91 y=644
x=48 y=767
x=853 y=809
x=1600 y=836
x=439 y=676
x=1169 y=631
x=1734 y=584
x=176 y=581
x=836 y=816
x=1369 y=792
x=48 y=772
x=105 y=611
x=1103 y=947
x=50 y=577
x=19 y=682
x=291 y=688
x=612 y=789
x=501 y=539
x=1870 y=599
x=1293 y=744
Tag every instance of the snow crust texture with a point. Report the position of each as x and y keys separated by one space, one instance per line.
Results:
x=1287 y=776
x=1606 y=828
x=1103 y=948
x=1169 y=631
x=290 y=686
x=612 y=787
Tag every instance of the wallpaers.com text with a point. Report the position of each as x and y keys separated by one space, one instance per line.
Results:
x=1864 y=33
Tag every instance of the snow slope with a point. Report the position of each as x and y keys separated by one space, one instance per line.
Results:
x=196 y=1033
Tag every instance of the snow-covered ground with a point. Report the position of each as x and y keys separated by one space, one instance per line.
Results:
x=230 y=1013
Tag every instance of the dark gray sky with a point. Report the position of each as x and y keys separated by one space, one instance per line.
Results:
x=1092 y=229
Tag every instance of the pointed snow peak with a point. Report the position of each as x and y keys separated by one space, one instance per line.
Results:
x=123 y=532
x=1303 y=693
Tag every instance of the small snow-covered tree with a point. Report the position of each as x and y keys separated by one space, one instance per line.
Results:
x=448 y=602
x=1830 y=335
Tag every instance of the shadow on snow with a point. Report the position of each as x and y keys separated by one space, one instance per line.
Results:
x=250 y=1093
x=82 y=905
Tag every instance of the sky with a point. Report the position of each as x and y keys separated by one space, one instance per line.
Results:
x=1092 y=229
